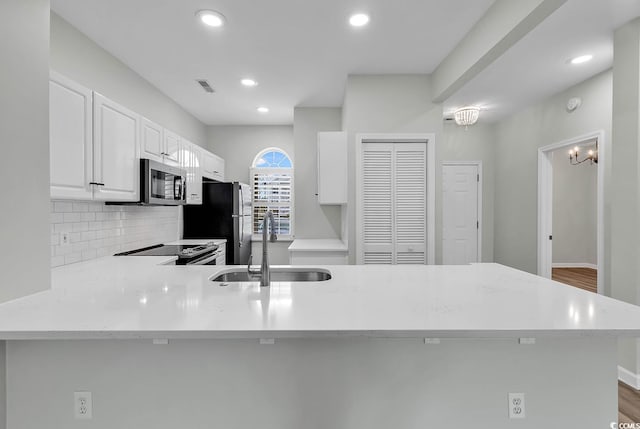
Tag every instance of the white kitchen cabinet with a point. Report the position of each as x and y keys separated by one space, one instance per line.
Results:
x=213 y=166
x=70 y=139
x=116 y=143
x=152 y=140
x=221 y=259
x=318 y=252
x=171 y=148
x=332 y=167
x=191 y=161
x=159 y=144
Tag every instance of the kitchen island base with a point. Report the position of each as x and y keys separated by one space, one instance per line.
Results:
x=354 y=383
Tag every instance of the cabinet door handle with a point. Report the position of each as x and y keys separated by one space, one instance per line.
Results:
x=96 y=183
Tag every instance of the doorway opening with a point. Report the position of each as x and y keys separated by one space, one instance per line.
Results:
x=574 y=226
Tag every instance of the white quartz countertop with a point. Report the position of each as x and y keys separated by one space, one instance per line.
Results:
x=136 y=297
x=318 y=245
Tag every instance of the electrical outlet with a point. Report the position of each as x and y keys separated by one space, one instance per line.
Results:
x=82 y=406
x=516 y=406
x=64 y=238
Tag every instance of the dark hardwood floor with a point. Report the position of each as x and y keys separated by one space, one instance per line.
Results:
x=584 y=278
x=628 y=398
x=628 y=404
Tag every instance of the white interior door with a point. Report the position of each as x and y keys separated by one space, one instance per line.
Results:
x=460 y=221
x=410 y=192
x=394 y=185
x=377 y=186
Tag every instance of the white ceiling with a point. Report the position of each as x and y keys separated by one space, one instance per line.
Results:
x=301 y=52
x=538 y=67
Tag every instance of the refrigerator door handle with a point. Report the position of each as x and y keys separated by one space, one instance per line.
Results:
x=241 y=231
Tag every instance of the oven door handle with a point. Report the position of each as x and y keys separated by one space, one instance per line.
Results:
x=205 y=259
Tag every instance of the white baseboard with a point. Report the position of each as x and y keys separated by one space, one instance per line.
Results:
x=629 y=378
x=574 y=265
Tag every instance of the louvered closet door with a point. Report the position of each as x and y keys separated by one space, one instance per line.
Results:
x=377 y=185
x=394 y=187
x=410 y=190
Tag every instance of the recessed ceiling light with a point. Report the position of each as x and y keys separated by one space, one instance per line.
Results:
x=359 y=19
x=211 y=18
x=248 y=82
x=263 y=109
x=581 y=59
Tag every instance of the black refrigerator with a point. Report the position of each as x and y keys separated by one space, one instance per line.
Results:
x=225 y=213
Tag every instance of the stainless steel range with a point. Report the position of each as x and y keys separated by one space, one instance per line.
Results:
x=188 y=254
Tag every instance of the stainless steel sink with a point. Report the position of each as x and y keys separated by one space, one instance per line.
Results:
x=278 y=274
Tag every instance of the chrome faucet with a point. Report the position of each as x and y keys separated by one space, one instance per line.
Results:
x=265 y=271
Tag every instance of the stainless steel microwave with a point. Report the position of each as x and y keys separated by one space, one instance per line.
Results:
x=162 y=184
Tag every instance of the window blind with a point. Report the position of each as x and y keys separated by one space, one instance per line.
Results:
x=273 y=190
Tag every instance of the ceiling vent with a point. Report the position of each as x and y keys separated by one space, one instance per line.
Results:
x=205 y=85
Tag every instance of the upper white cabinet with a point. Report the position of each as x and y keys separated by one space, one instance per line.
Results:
x=116 y=166
x=152 y=140
x=159 y=144
x=96 y=146
x=191 y=161
x=213 y=166
x=70 y=139
x=171 y=148
x=332 y=167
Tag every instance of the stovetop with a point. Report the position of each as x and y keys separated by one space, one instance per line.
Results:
x=182 y=251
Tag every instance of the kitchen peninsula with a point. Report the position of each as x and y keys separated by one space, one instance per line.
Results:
x=409 y=346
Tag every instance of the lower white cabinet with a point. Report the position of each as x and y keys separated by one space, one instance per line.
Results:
x=221 y=259
x=318 y=252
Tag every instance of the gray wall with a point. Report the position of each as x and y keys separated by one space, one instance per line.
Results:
x=239 y=145
x=574 y=210
x=24 y=133
x=625 y=184
x=400 y=104
x=517 y=141
x=313 y=384
x=387 y=104
x=312 y=219
x=76 y=56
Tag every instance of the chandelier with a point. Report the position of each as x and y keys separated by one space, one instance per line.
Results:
x=592 y=156
x=467 y=115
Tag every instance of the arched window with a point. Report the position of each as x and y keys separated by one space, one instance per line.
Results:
x=272 y=184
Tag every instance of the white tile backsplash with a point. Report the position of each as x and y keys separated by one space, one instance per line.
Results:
x=94 y=229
